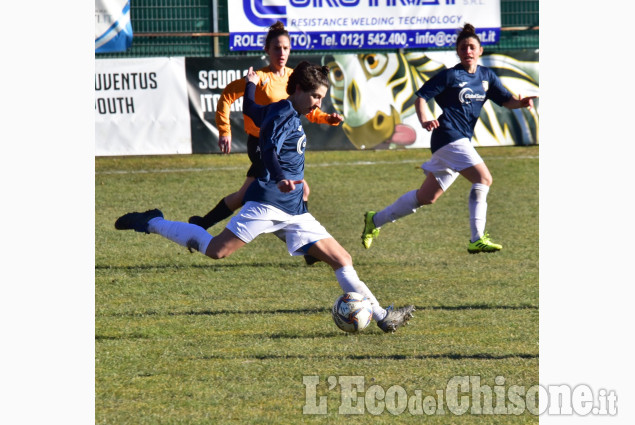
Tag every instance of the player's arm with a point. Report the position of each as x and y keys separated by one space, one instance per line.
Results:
x=250 y=108
x=427 y=122
x=500 y=95
x=427 y=91
x=233 y=91
x=318 y=116
x=270 y=159
x=271 y=136
x=520 y=102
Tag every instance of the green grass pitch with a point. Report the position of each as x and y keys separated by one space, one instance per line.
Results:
x=183 y=339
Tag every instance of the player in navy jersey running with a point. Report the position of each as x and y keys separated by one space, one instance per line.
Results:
x=461 y=92
x=273 y=202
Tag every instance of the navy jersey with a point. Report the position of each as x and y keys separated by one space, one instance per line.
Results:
x=461 y=96
x=282 y=145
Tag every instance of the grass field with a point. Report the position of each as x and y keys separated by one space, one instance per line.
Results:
x=183 y=339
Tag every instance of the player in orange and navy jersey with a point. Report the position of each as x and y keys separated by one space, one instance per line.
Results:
x=271 y=88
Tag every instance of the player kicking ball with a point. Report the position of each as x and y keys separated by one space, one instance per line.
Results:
x=273 y=203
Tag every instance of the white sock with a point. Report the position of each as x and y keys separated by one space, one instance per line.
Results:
x=405 y=205
x=349 y=282
x=185 y=234
x=478 y=210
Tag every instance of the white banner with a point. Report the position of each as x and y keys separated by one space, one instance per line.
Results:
x=362 y=24
x=141 y=107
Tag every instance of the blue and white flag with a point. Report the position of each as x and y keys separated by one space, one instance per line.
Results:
x=113 y=31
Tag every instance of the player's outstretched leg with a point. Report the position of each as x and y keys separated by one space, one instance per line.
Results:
x=188 y=235
x=396 y=318
x=137 y=221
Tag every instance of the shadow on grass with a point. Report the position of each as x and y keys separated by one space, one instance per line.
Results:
x=314 y=310
x=213 y=265
x=450 y=356
x=99 y=337
x=478 y=307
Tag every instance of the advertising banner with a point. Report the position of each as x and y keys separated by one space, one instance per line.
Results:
x=374 y=92
x=141 y=107
x=168 y=105
x=206 y=79
x=362 y=24
x=113 y=31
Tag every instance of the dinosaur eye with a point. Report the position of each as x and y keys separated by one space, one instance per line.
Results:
x=374 y=63
x=336 y=75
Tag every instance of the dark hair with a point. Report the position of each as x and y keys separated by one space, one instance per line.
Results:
x=467 y=31
x=275 y=31
x=308 y=76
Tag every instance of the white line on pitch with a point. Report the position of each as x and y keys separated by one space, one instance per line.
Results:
x=309 y=165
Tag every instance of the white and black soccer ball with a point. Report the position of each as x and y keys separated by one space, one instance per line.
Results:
x=352 y=312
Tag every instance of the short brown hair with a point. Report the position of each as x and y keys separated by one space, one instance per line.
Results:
x=308 y=76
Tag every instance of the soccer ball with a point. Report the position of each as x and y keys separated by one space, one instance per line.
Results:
x=352 y=312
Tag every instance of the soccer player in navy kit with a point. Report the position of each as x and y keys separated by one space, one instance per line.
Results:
x=461 y=92
x=274 y=202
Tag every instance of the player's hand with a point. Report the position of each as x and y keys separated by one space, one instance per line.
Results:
x=286 y=186
x=526 y=102
x=251 y=76
x=289 y=185
x=334 y=118
x=430 y=125
x=225 y=144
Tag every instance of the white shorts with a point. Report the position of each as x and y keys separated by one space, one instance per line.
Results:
x=296 y=230
x=448 y=161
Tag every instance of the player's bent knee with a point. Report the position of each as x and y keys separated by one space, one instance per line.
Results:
x=426 y=200
x=486 y=179
x=428 y=196
x=216 y=252
x=214 y=255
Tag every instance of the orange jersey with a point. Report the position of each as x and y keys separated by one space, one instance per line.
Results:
x=271 y=88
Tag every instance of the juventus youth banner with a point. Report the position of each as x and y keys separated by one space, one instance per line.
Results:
x=141 y=107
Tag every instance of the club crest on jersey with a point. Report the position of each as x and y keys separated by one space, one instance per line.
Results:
x=485 y=85
x=301 y=144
